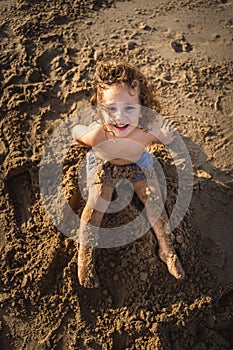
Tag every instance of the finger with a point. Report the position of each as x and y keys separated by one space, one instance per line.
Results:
x=164 y=123
x=172 y=125
x=169 y=124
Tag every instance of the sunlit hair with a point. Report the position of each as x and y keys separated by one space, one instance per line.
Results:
x=112 y=73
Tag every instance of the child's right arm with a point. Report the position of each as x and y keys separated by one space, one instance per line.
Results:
x=77 y=133
x=84 y=135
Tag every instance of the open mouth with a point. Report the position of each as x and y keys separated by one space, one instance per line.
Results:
x=121 y=126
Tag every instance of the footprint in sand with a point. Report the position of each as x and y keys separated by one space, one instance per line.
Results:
x=20 y=189
x=44 y=60
x=181 y=45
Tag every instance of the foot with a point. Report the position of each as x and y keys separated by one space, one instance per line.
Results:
x=86 y=270
x=173 y=264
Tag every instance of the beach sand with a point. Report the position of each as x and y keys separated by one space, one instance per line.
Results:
x=48 y=55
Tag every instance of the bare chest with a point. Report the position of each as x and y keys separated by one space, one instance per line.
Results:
x=121 y=150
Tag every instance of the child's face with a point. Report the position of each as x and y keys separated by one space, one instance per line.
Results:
x=122 y=110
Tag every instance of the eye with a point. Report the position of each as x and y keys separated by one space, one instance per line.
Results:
x=111 y=109
x=130 y=108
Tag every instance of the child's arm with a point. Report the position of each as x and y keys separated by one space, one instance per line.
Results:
x=164 y=132
x=84 y=135
x=77 y=134
x=167 y=132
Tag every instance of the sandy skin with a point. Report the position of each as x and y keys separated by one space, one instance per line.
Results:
x=88 y=277
x=86 y=259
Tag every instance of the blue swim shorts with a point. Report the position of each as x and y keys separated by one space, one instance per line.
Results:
x=101 y=171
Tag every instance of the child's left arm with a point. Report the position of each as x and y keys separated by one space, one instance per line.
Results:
x=167 y=132
x=164 y=132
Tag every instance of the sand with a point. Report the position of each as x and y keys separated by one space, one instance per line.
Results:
x=48 y=56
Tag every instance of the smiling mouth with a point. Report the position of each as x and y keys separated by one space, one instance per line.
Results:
x=121 y=126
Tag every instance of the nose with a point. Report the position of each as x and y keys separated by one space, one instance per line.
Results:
x=119 y=115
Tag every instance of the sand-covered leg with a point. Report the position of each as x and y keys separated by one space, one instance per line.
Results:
x=166 y=250
x=151 y=198
x=173 y=264
x=86 y=269
x=98 y=200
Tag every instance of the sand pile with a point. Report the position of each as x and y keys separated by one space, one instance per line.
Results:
x=48 y=55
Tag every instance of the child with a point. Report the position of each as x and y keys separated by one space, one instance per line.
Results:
x=125 y=126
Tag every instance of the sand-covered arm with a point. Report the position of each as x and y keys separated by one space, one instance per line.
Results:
x=163 y=132
x=77 y=134
x=81 y=134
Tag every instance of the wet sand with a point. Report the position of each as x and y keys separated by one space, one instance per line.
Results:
x=48 y=55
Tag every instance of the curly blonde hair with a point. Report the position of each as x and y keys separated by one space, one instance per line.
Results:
x=112 y=73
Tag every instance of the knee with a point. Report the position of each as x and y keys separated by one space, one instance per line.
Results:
x=142 y=194
x=98 y=201
x=143 y=197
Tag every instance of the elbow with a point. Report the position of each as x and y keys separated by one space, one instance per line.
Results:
x=76 y=132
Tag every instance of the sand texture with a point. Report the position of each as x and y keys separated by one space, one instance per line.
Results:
x=48 y=53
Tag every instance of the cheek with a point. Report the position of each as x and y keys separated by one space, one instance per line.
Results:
x=138 y=113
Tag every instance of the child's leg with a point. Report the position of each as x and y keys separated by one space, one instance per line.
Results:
x=98 y=199
x=154 y=205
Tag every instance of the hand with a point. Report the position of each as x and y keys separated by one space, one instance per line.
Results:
x=167 y=132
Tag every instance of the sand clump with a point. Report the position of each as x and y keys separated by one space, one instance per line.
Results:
x=48 y=56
